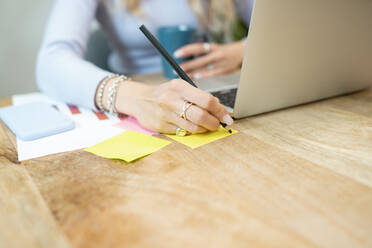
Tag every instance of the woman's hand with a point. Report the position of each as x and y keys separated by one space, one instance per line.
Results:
x=215 y=60
x=158 y=107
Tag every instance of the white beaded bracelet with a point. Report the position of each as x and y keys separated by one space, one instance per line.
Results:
x=112 y=92
x=101 y=89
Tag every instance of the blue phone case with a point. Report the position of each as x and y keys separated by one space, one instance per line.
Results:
x=35 y=120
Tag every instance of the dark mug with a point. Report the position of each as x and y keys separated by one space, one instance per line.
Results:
x=172 y=38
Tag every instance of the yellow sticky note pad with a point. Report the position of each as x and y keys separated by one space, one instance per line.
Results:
x=128 y=146
x=196 y=140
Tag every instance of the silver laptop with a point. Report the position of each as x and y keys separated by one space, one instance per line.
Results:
x=299 y=51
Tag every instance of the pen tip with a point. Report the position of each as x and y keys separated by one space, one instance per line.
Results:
x=224 y=125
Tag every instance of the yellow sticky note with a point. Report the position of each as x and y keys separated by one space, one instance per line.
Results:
x=128 y=146
x=196 y=140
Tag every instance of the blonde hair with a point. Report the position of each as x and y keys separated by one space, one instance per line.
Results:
x=218 y=19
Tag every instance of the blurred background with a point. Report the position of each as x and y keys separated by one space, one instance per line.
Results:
x=21 y=26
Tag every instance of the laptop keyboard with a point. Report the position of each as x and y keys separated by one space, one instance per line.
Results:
x=227 y=97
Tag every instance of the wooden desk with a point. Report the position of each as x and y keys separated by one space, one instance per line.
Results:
x=300 y=177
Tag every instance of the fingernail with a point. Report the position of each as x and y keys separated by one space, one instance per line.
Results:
x=197 y=76
x=178 y=54
x=227 y=120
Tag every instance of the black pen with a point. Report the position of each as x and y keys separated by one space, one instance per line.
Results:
x=181 y=73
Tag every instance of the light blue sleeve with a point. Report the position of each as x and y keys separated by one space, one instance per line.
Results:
x=61 y=71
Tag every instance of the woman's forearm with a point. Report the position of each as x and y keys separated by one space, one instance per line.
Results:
x=63 y=75
x=61 y=70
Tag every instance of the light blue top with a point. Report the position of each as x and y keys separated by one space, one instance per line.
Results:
x=62 y=72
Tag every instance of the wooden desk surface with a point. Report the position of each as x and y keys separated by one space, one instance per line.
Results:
x=300 y=177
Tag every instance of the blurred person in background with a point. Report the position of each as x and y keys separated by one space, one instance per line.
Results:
x=63 y=73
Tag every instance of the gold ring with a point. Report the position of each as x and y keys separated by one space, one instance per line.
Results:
x=181 y=132
x=186 y=106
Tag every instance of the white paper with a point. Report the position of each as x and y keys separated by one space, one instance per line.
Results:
x=89 y=130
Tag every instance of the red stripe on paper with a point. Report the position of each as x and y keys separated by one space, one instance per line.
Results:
x=74 y=109
x=101 y=115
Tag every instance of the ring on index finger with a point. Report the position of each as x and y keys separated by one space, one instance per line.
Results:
x=186 y=106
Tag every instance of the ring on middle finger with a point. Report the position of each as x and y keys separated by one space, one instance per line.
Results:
x=186 y=106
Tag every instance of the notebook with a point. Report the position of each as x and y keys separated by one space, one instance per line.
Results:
x=35 y=120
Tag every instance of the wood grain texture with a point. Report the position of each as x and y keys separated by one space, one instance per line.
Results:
x=331 y=137
x=252 y=193
x=299 y=177
x=26 y=220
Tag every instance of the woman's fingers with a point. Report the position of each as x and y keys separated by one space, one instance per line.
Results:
x=192 y=50
x=157 y=123
x=167 y=128
x=209 y=103
x=168 y=122
x=198 y=116
x=204 y=115
x=202 y=118
x=206 y=72
x=203 y=99
x=169 y=113
x=203 y=61
x=184 y=124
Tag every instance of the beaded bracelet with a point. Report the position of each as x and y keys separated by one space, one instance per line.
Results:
x=101 y=89
x=112 y=93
